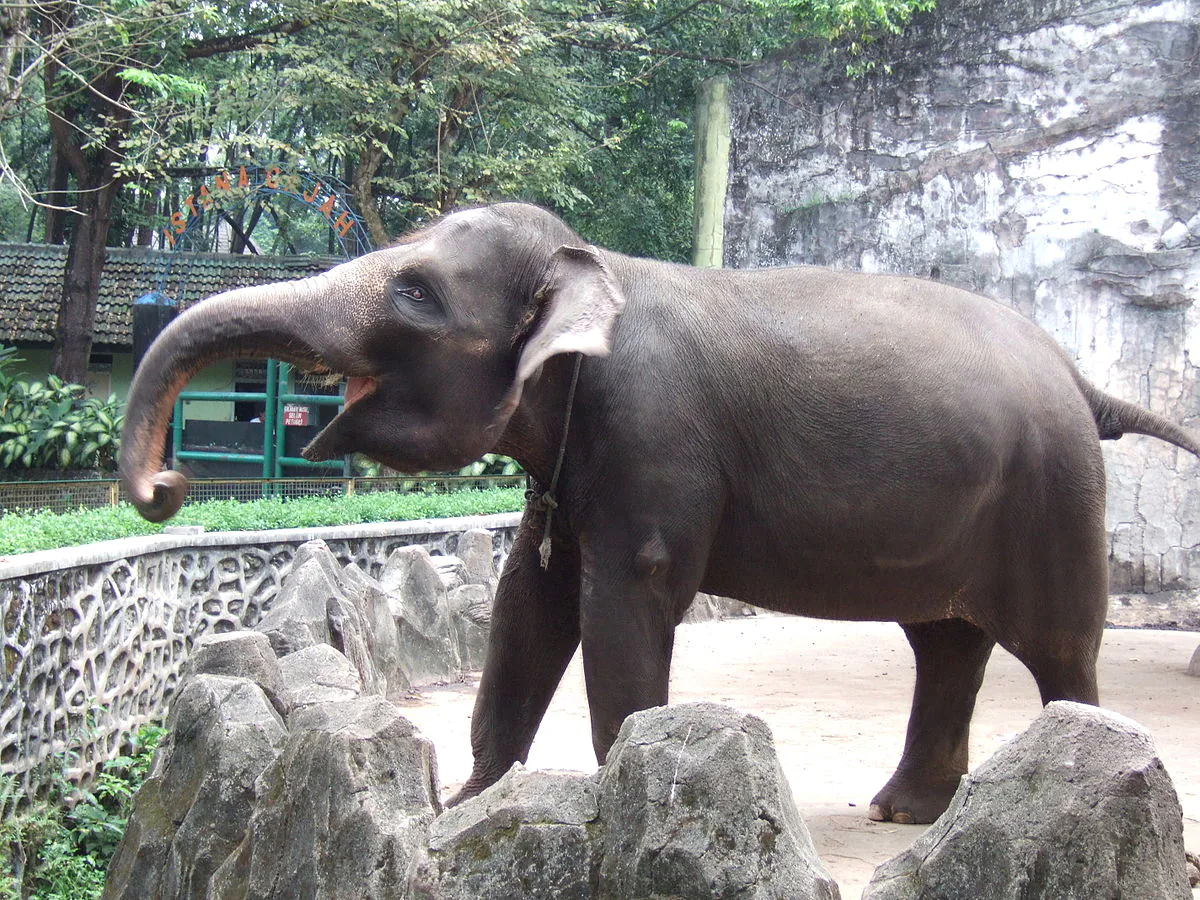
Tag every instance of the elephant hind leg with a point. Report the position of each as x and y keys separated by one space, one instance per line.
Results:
x=951 y=656
x=1063 y=664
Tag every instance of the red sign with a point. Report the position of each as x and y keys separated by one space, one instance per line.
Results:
x=294 y=414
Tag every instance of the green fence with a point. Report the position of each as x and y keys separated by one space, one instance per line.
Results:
x=67 y=496
x=274 y=399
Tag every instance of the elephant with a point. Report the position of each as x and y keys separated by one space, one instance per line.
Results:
x=811 y=441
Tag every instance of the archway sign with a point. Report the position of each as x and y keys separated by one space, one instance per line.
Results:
x=324 y=194
x=225 y=190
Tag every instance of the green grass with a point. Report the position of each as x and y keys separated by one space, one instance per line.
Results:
x=26 y=532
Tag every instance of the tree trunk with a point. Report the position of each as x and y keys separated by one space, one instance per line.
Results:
x=449 y=126
x=81 y=286
x=96 y=187
x=55 y=222
x=145 y=230
x=364 y=197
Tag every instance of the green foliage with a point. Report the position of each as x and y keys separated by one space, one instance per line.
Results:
x=53 y=425
x=26 y=532
x=58 y=847
x=165 y=85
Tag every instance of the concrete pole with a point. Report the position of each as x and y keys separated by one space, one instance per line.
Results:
x=712 y=171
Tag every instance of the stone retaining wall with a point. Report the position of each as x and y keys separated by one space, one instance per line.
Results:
x=93 y=639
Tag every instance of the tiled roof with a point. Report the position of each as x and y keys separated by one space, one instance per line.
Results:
x=31 y=277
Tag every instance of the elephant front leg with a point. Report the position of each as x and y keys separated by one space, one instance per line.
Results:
x=951 y=657
x=630 y=605
x=534 y=633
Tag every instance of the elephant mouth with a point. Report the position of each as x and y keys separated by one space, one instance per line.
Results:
x=359 y=387
x=326 y=445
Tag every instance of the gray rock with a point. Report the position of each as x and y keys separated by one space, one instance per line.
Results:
x=1176 y=235
x=451 y=570
x=345 y=810
x=1193 y=225
x=695 y=805
x=193 y=809
x=710 y=607
x=530 y=835
x=297 y=619
x=319 y=674
x=1194 y=666
x=471 y=612
x=242 y=654
x=420 y=607
x=1078 y=806
x=322 y=602
x=362 y=627
x=475 y=551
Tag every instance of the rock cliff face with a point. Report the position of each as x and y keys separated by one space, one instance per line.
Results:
x=1043 y=152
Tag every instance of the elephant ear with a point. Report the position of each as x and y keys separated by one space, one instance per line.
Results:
x=578 y=304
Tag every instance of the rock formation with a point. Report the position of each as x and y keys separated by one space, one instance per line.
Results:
x=1078 y=806
x=293 y=775
x=693 y=804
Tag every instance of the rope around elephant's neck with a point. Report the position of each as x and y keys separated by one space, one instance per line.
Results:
x=546 y=501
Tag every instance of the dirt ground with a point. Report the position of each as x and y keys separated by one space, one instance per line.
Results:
x=836 y=695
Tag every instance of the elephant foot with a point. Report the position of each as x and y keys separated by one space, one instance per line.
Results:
x=463 y=794
x=481 y=779
x=908 y=801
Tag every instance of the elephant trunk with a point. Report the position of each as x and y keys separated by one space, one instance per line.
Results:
x=277 y=320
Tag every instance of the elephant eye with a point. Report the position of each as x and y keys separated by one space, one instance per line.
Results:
x=415 y=301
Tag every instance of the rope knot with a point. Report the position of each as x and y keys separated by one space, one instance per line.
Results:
x=541 y=502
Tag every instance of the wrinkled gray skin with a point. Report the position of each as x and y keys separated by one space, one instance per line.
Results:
x=834 y=444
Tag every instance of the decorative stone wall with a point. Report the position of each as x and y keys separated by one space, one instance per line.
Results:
x=93 y=639
x=1043 y=152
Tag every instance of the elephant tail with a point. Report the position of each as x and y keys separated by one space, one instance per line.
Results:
x=1115 y=418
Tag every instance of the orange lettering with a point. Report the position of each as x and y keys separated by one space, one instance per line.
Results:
x=190 y=203
x=222 y=182
x=272 y=177
x=310 y=196
x=206 y=199
x=327 y=206
x=243 y=178
x=169 y=236
x=178 y=222
x=344 y=223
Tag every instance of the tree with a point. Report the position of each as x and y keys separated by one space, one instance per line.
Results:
x=105 y=66
x=419 y=106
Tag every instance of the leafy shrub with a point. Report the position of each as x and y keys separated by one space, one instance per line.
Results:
x=492 y=464
x=488 y=464
x=25 y=532
x=53 y=425
x=58 y=847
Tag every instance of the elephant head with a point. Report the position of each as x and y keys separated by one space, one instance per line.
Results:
x=436 y=334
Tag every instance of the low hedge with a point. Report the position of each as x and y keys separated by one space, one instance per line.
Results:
x=26 y=532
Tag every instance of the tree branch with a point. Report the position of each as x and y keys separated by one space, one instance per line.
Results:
x=612 y=47
x=233 y=42
x=671 y=20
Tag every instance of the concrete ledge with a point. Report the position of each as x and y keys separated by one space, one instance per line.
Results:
x=32 y=564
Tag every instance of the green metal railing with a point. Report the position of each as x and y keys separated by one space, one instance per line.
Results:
x=273 y=457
